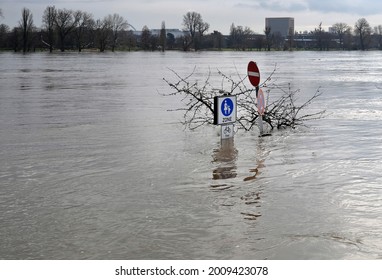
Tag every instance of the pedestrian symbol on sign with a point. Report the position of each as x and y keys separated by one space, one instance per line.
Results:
x=227 y=107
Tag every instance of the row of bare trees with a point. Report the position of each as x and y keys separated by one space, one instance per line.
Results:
x=362 y=36
x=82 y=26
x=63 y=29
x=61 y=24
x=340 y=36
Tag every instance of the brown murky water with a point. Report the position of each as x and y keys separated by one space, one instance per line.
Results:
x=93 y=166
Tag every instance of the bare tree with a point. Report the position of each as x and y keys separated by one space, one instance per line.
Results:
x=194 y=24
x=4 y=30
x=131 y=40
x=65 y=22
x=340 y=29
x=290 y=38
x=319 y=35
x=85 y=23
x=185 y=41
x=14 y=38
x=278 y=40
x=146 y=38
x=49 y=19
x=268 y=38
x=363 y=30
x=103 y=30
x=117 y=24
x=378 y=33
x=203 y=27
x=163 y=37
x=348 y=39
x=217 y=40
x=26 y=25
x=198 y=99
x=4 y=35
x=154 y=42
x=239 y=37
x=190 y=22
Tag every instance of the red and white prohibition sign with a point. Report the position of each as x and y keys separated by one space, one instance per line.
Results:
x=253 y=74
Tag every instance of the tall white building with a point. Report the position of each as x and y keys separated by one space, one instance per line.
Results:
x=284 y=26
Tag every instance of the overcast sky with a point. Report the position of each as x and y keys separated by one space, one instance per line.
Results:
x=220 y=14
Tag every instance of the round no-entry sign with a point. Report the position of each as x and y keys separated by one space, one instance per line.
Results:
x=253 y=73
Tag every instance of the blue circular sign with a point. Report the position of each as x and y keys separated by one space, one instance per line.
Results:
x=227 y=107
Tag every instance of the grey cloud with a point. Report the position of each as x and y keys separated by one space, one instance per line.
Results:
x=272 y=5
x=283 y=6
x=365 y=7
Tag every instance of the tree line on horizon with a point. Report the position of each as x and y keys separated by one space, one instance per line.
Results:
x=65 y=29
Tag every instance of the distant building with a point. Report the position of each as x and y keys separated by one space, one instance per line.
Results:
x=283 y=26
x=332 y=30
x=177 y=33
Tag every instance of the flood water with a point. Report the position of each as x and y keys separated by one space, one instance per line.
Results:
x=94 y=166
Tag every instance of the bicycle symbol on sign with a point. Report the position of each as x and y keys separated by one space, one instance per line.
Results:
x=227 y=130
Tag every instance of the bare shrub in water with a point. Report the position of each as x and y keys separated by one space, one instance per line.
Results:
x=280 y=112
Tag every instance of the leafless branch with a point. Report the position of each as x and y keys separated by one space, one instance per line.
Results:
x=280 y=113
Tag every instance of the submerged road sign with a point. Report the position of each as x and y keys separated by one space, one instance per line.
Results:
x=224 y=109
x=254 y=78
x=227 y=131
x=253 y=73
x=260 y=102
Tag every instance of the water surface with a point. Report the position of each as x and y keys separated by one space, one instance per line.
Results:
x=94 y=166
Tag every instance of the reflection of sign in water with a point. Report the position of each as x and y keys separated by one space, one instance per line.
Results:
x=224 y=109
